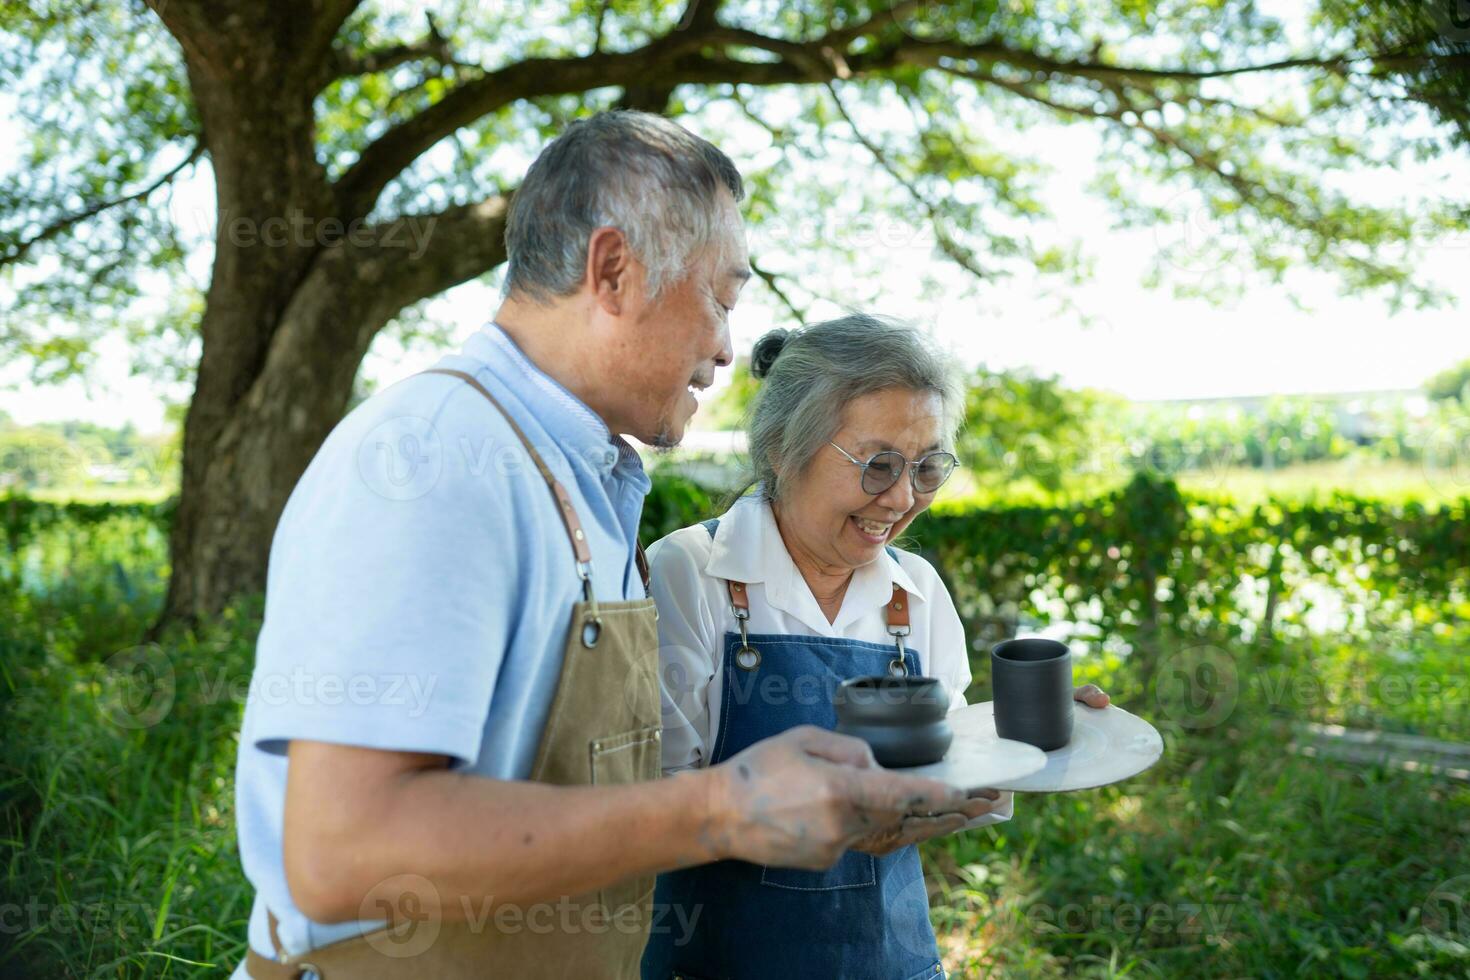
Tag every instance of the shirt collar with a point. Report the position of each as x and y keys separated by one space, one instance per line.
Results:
x=748 y=548
x=579 y=430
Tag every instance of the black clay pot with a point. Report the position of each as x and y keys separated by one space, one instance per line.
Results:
x=1032 y=682
x=901 y=718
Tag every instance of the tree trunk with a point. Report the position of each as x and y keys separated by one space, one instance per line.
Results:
x=249 y=435
x=300 y=286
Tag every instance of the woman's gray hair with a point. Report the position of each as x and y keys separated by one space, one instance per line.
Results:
x=812 y=374
x=649 y=177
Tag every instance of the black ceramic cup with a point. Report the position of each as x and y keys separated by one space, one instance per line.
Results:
x=1032 y=682
x=901 y=718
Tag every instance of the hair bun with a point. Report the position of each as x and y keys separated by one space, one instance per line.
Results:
x=766 y=350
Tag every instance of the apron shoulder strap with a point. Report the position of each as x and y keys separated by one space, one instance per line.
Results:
x=642 y=561
x=569 y=517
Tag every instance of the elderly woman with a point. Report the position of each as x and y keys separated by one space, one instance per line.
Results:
x=764 y=611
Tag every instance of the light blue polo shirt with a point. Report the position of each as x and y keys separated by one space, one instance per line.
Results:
x=420 y=589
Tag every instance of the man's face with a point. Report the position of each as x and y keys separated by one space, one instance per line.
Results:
x=679 y=339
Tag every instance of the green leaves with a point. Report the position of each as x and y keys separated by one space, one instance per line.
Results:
x=1237 y=169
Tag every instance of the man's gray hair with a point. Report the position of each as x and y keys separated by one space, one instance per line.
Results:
x=649 y=177
x=812 y=374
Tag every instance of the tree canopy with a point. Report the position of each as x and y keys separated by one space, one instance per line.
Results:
x=362 y=155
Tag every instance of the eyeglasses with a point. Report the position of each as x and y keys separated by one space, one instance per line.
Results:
x=882 y=470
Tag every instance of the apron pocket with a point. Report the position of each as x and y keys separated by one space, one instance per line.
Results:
x=853 y=870
x=628 y=757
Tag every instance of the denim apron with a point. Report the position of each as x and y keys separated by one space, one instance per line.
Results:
x=866 y=918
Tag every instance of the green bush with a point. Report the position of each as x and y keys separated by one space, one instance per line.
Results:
x=1231 y=857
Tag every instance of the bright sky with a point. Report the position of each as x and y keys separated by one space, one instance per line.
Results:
x=1142 y=343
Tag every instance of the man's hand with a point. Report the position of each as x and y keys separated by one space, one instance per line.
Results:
x=801 y=798
x=1091 y=695
x=920 y=827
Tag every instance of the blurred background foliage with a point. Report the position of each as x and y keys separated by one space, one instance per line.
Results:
x=1230 y=626
x=1246 y=573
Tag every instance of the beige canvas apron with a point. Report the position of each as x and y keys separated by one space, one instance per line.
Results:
x=603 y=729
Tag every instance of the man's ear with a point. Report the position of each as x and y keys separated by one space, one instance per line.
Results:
x=611 y=269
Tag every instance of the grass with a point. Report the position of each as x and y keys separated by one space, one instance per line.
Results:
x=105 y=494
x=119 y=851
x=1390 y=481
x=1387 y=480
x=1230 y=858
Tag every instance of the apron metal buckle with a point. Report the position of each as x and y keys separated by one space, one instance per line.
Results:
x=592 y=625
x=897 y=667
x=747 y=657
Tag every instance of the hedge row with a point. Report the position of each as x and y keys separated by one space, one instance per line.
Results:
x=1141 y=558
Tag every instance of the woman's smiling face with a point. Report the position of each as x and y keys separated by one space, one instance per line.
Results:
x=836 y=522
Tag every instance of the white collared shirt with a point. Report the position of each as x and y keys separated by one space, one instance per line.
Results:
x=689 y=572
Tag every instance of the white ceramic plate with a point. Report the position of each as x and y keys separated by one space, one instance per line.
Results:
x=977 y=759
x=1108 y=745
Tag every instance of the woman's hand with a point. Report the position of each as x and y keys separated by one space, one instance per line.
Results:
x=916 y=827
x=1091 y=695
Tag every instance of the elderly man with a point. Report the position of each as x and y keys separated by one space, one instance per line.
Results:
x=447 y=762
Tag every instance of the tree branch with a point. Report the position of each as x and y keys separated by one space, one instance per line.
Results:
x=770 y=279
x=62 y=225
x=960 y=255
x=356 y=286
x=683 y=57
x=670 y=59
x=928 y=53
x=433 y=46
x=316 y=44
x=418 y=256
x=699 y=15
x=1290 y=213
